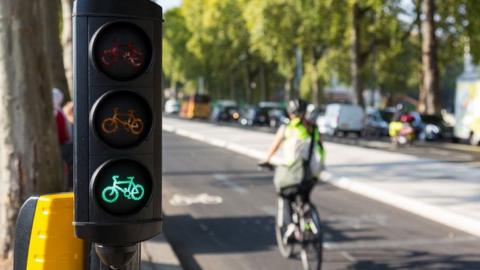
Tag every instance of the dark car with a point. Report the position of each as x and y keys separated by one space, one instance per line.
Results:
x=377 y=122
x=255 y=116
x=264 y=114
x=435 y=128
x=277 y=117
x=225 y=113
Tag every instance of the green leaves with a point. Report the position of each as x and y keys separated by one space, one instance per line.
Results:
x=229 y=42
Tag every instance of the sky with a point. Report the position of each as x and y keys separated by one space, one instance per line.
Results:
x=168 y=4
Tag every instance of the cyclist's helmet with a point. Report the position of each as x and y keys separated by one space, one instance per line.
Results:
x=297 y=107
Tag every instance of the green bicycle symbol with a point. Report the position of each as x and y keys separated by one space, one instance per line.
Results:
x=133 y=191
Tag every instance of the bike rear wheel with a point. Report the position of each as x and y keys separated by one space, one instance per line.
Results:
x=312 y=248
x=286 y=249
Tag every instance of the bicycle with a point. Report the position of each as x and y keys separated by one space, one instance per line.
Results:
x=131 y=124
x=305 y=230
x=133 y=191
x=127 y=52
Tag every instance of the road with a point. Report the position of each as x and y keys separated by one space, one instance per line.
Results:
x=236 y=230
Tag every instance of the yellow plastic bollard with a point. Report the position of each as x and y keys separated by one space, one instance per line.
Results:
x=53 y=244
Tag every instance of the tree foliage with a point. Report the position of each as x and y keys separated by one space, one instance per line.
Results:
x=246 y=49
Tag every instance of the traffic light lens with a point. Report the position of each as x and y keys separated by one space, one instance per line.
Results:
x=122 y=119
x=122 y=186
x=122 y=51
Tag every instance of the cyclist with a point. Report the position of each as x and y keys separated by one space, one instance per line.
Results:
x=296 y=138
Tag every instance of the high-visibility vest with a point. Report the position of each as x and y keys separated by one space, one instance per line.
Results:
x=297 y=142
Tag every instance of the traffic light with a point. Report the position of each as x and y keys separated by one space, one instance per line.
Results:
x=117 y=85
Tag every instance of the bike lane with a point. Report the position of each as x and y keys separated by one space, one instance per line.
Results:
x=237 y=232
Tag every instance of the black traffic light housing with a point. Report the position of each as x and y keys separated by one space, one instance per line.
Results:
x=117 y=148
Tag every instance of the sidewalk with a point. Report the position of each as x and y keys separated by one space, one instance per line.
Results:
x=158 y=255
x=448 y=193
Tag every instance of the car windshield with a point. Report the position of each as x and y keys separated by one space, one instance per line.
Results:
x=386 y=115
x=432 y=119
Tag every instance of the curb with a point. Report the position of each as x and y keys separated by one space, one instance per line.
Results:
x=414 y=206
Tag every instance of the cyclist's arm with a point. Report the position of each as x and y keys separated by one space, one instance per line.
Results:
x=277 y=141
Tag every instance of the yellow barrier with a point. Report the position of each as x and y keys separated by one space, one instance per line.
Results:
x=53 y=244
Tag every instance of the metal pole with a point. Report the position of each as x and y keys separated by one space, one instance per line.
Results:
x=96 y=264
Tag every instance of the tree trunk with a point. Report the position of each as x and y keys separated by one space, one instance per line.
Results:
x=356 y=64
x=314 y=78
x=53 y=46
x=431 y=96
x=67 y=7
x=263 y=85
x=231 y=84
x=288 y=89
x=29 y=153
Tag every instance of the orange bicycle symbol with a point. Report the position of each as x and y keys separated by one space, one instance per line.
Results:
x=131 y=124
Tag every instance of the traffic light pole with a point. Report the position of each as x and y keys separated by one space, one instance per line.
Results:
x=119 y=256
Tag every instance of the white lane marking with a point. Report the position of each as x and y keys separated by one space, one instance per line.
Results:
x=225 y=179
x=384 y=244
x=204 y=198
x=415 y=206
x=348 y=256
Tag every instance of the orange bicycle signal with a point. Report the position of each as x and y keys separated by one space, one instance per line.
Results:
x=131 y=124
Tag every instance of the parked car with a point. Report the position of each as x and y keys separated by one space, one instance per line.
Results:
x=172 y=106
x=377 y=122
x=226 y=111
x=277 y=117
x=343 y=119
x=264 y=114
x=435 y=128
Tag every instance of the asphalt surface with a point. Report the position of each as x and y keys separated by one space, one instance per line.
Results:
x=219 y=215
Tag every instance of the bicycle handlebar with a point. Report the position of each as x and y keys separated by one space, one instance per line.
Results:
x=266 y=165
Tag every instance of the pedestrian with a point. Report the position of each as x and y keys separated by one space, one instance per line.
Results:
x=64 y=133
x=68 y=112
x=60 y=118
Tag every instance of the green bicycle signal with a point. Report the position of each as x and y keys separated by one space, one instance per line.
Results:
x=132 y=191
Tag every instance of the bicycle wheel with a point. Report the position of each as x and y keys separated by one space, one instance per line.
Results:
x=109 y=125
x=110 y=194
x=137 y=192
x=312 y=248
x=286 y=249
x=137 y=126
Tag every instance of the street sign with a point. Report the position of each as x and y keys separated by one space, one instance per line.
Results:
x=117 y=84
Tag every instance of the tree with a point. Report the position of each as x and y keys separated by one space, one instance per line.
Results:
x=67 y=8
x=29 y=154
x=273 y=27
x=53 y=47
x=430 y=95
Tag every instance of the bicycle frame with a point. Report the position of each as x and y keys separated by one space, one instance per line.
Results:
x=117 y=183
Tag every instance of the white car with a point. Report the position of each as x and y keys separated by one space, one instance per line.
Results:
x=172 y=106
x=342 y=118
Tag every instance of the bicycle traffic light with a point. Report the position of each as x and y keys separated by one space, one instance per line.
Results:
x=117 y=84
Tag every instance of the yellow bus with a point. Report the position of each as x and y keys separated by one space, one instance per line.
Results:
x=195 y=106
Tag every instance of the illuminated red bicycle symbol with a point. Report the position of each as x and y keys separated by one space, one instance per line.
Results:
x=123 y=52
x=130 y=124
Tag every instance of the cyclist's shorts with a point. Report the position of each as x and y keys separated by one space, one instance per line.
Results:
x=304 y=188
